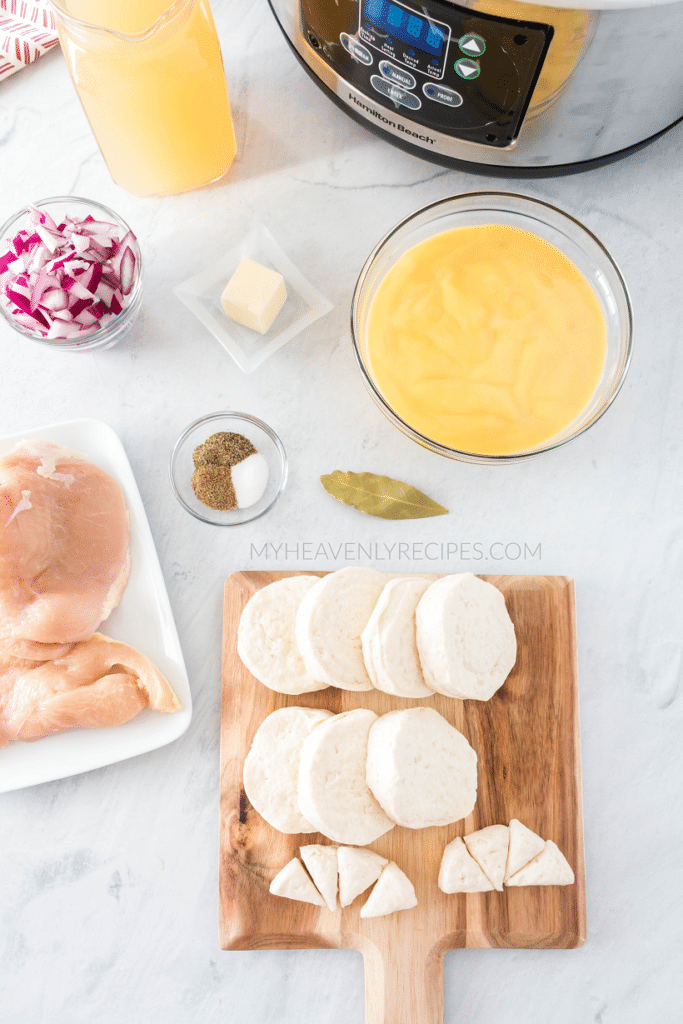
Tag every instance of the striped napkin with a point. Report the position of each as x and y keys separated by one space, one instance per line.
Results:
x=27 y=30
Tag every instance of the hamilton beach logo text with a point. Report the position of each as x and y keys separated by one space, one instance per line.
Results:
x=431 y=551
x=390 y=124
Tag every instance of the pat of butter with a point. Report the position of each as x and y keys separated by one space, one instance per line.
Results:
x=254 y=295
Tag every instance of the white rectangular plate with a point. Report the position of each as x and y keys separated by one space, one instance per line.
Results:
x=143 y=620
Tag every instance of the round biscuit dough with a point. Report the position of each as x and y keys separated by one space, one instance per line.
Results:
x=265 y=637
x=329 y=623
x=333 y=793
x=465 y=637
x=271 y=768
x=421 y=770
x=389 y=646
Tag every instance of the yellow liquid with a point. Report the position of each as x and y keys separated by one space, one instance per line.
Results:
x=486 y=339
x=156 y=99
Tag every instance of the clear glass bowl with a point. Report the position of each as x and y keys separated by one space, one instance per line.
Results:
x=117 y=328
x=561 y=230
x=264 y=440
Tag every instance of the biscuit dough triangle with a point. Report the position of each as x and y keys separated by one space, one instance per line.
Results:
x=358 y=869
x=550 y=867
x=294 y=884
x=489 y=847
x=321 y=862
x=524 y=846
x=393 y=891
x=459 y=870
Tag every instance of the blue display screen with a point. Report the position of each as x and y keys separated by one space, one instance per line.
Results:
x=405 y=25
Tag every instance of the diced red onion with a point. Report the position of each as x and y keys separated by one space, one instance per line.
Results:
x=63 y=280
x=5 y=261
x=104 y=292
x=99 y=227
x=20 y=297
x=80 y=292
x=61 y=314
x=127 y=272
x=80 y=242
x=48 y=238
x=77 y=307
x=86 y=318
x=37 y=217
x=56 y=301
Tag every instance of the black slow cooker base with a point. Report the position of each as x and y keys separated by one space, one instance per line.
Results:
x=490 y=170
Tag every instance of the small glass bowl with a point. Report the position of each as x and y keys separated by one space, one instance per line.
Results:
x=117 y=328
x=560 y=229
x=264 y=440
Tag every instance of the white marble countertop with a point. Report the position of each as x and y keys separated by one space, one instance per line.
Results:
x=108 y=891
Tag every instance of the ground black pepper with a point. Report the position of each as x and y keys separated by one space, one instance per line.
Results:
x=226 y=448
x=212 y=479
x=214 y=488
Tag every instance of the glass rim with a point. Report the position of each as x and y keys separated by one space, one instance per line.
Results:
x=233 y=414
x=167 y=15
x=458 y=453
x=94 y=339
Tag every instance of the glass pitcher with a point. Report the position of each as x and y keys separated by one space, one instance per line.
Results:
x=151 y=81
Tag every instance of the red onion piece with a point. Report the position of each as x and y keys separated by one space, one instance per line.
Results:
x=21 y=290
x=80 y=242
x=5 y=261
x=49 y=239
x=127 y=272
x=104 y=292
x=126 y=242
x=80 y=292
x=24 y=305
x=42 y=283
x=86 y=318
x=56 y=301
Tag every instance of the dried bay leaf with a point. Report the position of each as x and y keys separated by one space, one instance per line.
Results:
x=380 y=496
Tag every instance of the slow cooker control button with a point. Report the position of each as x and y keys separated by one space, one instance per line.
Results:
x=472 y=45
x=468 y=69
x=397 y=75
x=442 y=94
x=396 y=95
x=356 y=49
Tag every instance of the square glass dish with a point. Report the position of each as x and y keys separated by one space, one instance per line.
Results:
x=202 y=294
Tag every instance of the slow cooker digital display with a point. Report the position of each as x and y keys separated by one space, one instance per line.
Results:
x=405 y=36
x=406 y=25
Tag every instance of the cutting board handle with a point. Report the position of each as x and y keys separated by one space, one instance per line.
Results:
x=403 y=984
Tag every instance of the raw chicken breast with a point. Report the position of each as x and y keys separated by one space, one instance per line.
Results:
x=10 y=670
x=63 y=549
x=99 y=683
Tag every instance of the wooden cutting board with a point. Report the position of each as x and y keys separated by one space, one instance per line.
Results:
x=527 y=741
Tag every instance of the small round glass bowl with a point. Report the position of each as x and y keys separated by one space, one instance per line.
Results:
x=264 y=440
x=117 y=328
x=561 y=230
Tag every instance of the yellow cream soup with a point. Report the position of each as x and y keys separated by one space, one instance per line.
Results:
x=486 y=339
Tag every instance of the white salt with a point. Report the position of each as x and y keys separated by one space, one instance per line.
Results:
x=249 y=478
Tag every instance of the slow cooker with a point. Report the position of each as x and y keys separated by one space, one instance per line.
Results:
x=498 y=85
